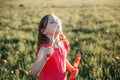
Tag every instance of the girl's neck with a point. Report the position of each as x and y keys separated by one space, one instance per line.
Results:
x=51 y=39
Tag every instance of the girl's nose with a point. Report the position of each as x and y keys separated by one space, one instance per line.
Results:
x=57 y=21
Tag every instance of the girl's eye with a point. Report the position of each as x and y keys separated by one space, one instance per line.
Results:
x=51 y=22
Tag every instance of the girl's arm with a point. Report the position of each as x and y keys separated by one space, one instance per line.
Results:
x=69 y=67
x=41 y=59
x=39 y=62
x=74 y=72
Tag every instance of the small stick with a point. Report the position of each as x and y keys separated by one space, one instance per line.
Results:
x=53 y=41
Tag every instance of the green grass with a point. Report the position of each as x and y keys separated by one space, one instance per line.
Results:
x=92 y=27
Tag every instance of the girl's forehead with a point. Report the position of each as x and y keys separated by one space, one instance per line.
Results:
x=52 y=17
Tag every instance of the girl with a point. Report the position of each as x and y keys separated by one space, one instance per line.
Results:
x=51 y=42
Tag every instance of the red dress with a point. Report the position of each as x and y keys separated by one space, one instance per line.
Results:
x=55 y=67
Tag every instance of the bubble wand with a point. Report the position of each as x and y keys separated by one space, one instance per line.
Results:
x=53 y=41
x=77 y=60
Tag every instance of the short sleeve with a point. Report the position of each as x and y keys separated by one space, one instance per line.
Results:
x=42 y=45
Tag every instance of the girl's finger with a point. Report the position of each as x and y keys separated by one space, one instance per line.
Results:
x=51 y=49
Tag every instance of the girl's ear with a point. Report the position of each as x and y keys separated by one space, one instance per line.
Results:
x=44 y=31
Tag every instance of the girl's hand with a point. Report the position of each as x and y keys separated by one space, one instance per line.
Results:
x=74 y=72
x=48 y=51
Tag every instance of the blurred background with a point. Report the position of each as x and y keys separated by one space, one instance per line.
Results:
x=91 y=26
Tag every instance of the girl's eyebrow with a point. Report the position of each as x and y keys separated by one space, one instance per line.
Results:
x=50 y=19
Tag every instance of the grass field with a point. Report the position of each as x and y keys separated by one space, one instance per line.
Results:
x=91 y=26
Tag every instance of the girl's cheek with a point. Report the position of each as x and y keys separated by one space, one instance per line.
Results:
x=50 y=28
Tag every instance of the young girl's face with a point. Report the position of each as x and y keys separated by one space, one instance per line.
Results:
x=54 y=24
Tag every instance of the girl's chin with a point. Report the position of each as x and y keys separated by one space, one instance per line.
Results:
x=59 y=31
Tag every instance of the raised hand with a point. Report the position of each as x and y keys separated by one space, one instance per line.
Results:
x=48 y=52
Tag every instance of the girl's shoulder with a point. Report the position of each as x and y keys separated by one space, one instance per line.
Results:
x=42 y=45
x=66 y=44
